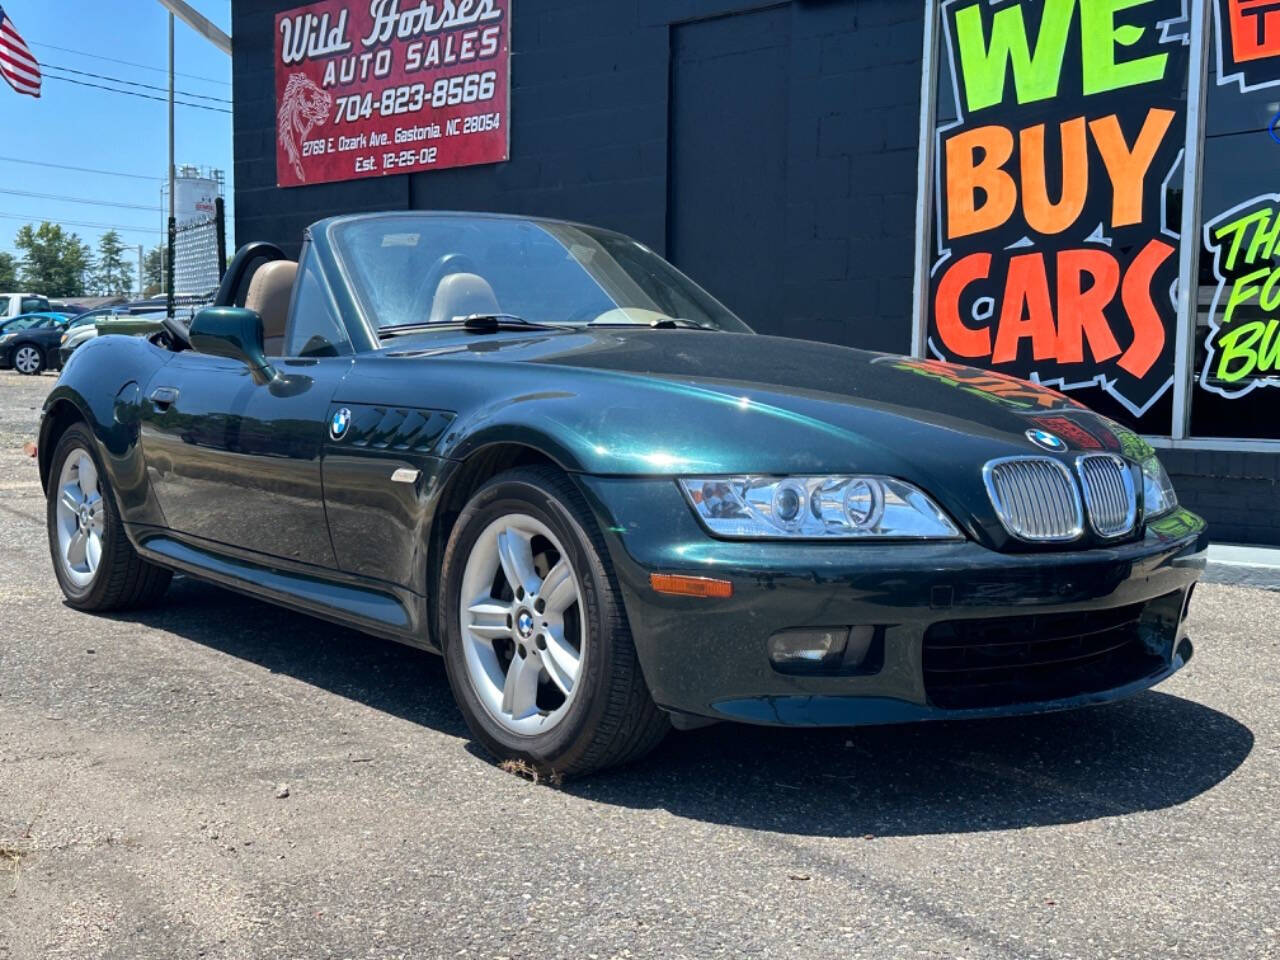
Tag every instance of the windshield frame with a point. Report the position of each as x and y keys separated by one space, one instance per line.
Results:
x=329 y=240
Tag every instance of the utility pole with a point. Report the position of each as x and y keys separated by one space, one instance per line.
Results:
x=141 y=286
x=173 y=173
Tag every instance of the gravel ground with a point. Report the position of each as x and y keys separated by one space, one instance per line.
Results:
x=142 y=758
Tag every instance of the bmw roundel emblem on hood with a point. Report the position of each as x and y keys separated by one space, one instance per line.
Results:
x=338 y=425
x=1047 y=441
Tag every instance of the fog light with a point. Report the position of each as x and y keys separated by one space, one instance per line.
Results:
x=814 y=648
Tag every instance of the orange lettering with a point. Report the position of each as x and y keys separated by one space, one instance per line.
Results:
x=1148 y=331
x=1043 y=215
x=961 y=340
x=1081 y=312
x=1128 y=168
x=1026 y=312
x=967 y=175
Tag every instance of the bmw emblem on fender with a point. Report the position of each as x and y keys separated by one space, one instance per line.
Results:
x=1047 y=441
x=339 y=424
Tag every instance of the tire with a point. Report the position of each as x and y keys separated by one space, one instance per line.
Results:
x=559 y=716
x=27 y=359
x=82 y=510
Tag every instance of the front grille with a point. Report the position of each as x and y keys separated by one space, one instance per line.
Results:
x=1030 y=659
x=1035 y=498
x=1109 y=494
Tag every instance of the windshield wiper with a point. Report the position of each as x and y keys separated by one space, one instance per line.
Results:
x=664 y=323
x=476 y=322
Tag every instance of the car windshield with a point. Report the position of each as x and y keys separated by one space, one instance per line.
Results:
x=408 y=271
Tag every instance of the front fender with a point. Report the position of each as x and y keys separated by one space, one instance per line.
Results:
x=101 y=387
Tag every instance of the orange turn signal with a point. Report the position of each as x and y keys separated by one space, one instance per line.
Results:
x=679 y=586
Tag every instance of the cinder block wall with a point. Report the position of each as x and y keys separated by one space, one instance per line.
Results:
x=1238 y=493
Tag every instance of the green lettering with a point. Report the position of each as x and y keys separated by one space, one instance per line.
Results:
x=1269 y=298
x=1236 y=230
x=1264 y=238
x=984 y=66
x=1099 y=37
x=1269 y=355
x=1242 y=291
x=1231 y=350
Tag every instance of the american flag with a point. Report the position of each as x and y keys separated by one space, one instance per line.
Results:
x=16 y=62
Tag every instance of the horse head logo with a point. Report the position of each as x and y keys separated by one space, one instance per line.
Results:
x=304 y=106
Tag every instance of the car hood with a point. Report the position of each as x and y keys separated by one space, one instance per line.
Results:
x=684 y=402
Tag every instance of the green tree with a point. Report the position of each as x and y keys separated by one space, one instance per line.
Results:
x=112 y=276
x=153 y=270
x=8 y=271
x=54 y=262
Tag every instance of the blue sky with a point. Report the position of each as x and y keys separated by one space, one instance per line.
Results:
x=80 y=126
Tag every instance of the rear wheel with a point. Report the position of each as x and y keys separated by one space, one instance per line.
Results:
x=537 y=646
x=28 y=360
x=96 y=565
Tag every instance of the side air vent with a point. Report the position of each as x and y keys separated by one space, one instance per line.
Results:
x=1108 y=494
x=1035 y=498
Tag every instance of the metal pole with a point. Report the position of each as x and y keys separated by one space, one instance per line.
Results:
x=173 y=173
x=141 y=283
x=924 y=183
x=1189 y=253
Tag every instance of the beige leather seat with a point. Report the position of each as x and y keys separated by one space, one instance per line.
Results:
x=461 y=295
x=270 y=291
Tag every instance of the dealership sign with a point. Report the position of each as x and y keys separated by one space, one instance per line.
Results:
x=366 y=88
x=1055 y=250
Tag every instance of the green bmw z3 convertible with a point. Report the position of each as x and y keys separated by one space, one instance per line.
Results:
x=540 y=450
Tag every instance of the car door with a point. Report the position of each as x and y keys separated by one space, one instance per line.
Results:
x=236 y=462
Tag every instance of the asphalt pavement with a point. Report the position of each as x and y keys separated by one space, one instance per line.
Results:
x=145 y=758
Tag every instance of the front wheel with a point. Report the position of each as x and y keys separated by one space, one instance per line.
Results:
x=537 y=646
x=28 y=360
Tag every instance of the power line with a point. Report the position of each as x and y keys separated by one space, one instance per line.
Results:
x=96 y=203
x=133 y=83
x=126 y=63
x=130 y=93
x=60 y=166
x=83 y=224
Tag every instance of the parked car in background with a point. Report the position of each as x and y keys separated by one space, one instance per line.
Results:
x=85 y=327
x=29 y=343
x=14 y=305
x=68 y=307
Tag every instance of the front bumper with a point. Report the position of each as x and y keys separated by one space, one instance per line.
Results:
x=709 y=658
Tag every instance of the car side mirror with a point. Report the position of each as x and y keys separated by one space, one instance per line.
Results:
x=235 y=333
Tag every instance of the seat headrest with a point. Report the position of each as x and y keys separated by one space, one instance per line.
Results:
x=461 y=295
x=270 y=291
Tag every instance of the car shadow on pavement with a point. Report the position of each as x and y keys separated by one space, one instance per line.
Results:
x=1151 y=752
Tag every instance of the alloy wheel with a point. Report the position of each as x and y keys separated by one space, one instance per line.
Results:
x=81 y=518
x=27 y=360
x=522 y=626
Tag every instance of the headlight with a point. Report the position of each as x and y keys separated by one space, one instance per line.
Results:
x=1157 y=489
x=849 y=507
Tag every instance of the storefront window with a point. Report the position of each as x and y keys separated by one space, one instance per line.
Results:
x=1236 y=391
x=1056 y=204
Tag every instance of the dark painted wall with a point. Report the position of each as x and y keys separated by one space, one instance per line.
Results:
x=595 y=102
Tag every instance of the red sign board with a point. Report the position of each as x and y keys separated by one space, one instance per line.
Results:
x=367 y=88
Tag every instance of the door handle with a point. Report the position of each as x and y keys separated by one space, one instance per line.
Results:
x=164 y=397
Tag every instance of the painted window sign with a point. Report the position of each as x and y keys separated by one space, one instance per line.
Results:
x=1237 y=318
x=1248 y=42
x=1056 y=236
x=366 y=88
x=1243 y=342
